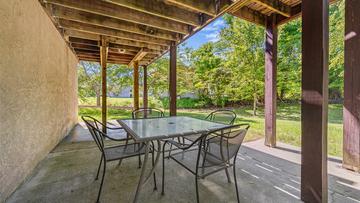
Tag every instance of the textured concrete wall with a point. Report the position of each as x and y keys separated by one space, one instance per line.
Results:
x=38 y=90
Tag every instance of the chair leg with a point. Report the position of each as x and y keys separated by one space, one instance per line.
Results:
x=139 y=157
x=119 y=162
x=153 y=164
x=227 y=175
x=97 y=174
x=236 y=186
x=170 y=151
x=163 y=170
x=197 y=189
x=102 y=182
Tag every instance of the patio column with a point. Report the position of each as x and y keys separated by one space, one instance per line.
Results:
x=136 y=85
x=172 y=79
x=103 y=62
x=145 y=93
x=270 y=80
x=314 y=101
x=351 y=146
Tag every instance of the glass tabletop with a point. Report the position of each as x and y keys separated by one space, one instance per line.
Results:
x=167 y=127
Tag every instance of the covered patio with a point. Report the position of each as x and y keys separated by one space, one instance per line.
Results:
x=136 y=33
x=264 y=175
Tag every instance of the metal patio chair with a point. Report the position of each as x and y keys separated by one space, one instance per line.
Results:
x=215 y=151
x=99 y=125
x=223 y=116
x=113 y=153
x=147 y=113
x=143 y=113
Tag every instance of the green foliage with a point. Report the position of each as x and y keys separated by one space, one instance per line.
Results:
x=89 y=79
x=289 y=61
x=184 y=103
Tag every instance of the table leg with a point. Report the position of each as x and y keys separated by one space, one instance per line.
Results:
x=142 y=175
x=144 y=180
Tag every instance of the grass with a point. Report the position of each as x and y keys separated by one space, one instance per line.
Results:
x=288 y=122
x=91 y=101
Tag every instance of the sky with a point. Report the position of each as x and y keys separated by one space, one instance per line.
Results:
x=209 y=33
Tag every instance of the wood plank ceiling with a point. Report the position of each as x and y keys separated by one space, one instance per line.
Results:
x=143 y=30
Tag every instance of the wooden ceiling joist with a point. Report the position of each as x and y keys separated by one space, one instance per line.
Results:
x=94 y=19
x=122 y=13
x=276 y=6
x=73 y=25
x=84 y=47
x=138 y=57
x=238 y=5
x=130 y=43
x=82 y=35
x=142 y=30
x=250 y=15
x=209 y=7
x=160 y=9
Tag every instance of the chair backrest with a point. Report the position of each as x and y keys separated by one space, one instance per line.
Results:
x=95 y=131
x=222 y=116
x=223 y=145
x=147 y=113
x=96 y=123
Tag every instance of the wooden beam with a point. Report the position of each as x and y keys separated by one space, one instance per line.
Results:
x=172 y=80
x=154 y=48
x=84 y=47
x=73 y=25
x=136 y=85
x=276 y=6
x=351 y=144
x=271 y=39
x=116 y=41
x=103 y=61
x=238 y=5
x=314 y=101
x=209 y=7
x=122 y=13
x=294 y=13
x=145 y=88
x=160 y=9
x=250 y=15
x=82 y=35
x=121 y=51
x=104 y=21
x=140 y=55
x=86 y=42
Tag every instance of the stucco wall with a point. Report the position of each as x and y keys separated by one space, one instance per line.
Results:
x=38 y=90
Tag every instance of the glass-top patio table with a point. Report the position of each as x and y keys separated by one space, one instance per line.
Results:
x=156 y=129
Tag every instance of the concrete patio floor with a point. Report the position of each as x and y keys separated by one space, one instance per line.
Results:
x=264 y=175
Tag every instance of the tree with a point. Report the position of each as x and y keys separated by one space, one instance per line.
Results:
x=89 y=80
x=242 y=46
x=289 y=61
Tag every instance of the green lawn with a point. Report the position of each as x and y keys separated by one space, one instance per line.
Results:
x=288 y=122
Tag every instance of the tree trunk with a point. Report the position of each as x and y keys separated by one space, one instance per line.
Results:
x=97 y=99
x=255 y=104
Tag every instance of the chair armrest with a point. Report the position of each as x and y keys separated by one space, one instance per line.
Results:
x=184 y=146
x=115 y=139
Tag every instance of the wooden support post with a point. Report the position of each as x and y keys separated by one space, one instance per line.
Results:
x=314 y=101
x=172 y=79
x=145 y=89
x=103 y=61
x=351 y=157
x=136 y=85
x=270 y=81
